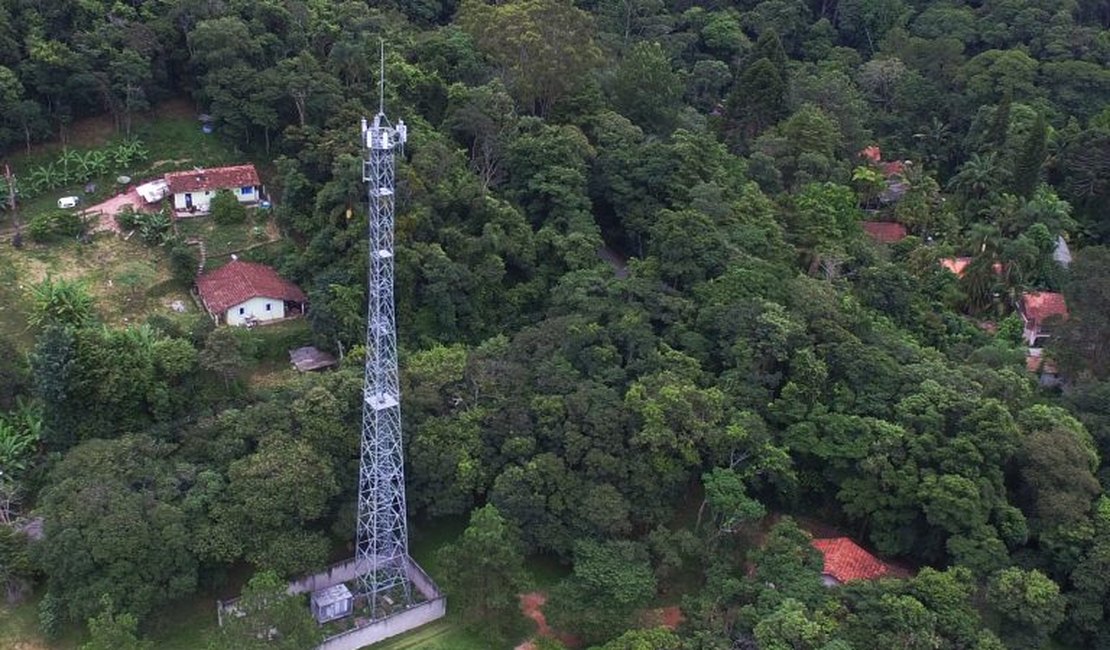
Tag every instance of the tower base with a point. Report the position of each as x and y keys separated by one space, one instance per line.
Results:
x=432 y=606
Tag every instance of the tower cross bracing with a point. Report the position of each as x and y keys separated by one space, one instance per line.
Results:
x=382 y=534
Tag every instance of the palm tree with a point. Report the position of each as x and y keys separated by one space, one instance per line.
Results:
x=979 y=177
x=934 y=139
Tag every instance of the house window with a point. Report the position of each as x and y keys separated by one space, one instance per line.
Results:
x=267 y=306
x=242 y=310
x=247 y=189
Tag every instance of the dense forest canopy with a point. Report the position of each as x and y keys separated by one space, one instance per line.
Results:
x=641 y=320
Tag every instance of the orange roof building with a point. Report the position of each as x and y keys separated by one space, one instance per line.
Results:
x=885 y=232
x=1035 y=308
x=846 y=561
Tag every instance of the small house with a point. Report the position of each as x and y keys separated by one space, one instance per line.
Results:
x=1037 y=307
x=331 y=603
x=193 y=190
x=245 y=293
x=846 y=561
x=1048 y=375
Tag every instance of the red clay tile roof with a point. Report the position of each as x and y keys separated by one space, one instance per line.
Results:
x=893 y=168
x=238 y=281
x=217 y=178
x=1039 y=305
x=845 y=560
x=885 y=232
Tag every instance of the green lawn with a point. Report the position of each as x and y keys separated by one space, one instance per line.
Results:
x=444 y=634
x=221 y=240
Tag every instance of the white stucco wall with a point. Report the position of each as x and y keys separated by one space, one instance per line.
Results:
x=255 y=307
x=202 y=200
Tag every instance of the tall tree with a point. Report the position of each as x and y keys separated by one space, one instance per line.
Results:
x=484 y=572
x=544 y=48
x=1027 y=167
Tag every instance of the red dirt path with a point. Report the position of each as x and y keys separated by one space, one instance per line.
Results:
x=531 y=604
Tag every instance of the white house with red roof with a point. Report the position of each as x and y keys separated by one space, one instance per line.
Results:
x=1035 y=308
x=193 y=190
x=245 y=293
x=846 y=561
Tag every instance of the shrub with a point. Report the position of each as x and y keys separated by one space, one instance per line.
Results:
x=183 y=262
x=55 y=225
x=127 y=218
x=226 y=209
x=153 y=227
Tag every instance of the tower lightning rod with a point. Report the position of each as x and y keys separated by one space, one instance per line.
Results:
x=381 y=76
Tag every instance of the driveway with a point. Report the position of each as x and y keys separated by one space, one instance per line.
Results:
x=107 y=210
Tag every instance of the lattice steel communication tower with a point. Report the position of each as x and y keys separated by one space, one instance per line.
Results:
x=382 y=552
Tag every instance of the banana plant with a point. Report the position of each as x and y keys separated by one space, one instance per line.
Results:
x=129 y=151
x=45 y=178
x=68 y=164
x=16 y=447
x=93 y=163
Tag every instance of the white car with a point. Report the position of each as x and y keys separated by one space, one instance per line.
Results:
x=67 y=202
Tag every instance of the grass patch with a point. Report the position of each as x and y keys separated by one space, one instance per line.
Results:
x=444 y=634
x=221 y=240
x=19 y=629
x=128 y=279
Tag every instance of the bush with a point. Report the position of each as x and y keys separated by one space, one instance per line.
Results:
x=127 y=218
x=226 y=209
x=184 y=261
x=50 y=616
x=55 y=225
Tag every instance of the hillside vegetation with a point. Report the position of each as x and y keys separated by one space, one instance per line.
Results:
x=644 y=331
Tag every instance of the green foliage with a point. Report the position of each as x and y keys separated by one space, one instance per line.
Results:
x=223 y=354
x=114 y=505
x=225 y=209
x=611 y=580
x=484 y=573
x=544 y=47
x=111 y=631
x=61 y=302
x=55 y=225
x=270 y=618
x=1029 y=603
x=659 y=638
x=20 y=435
